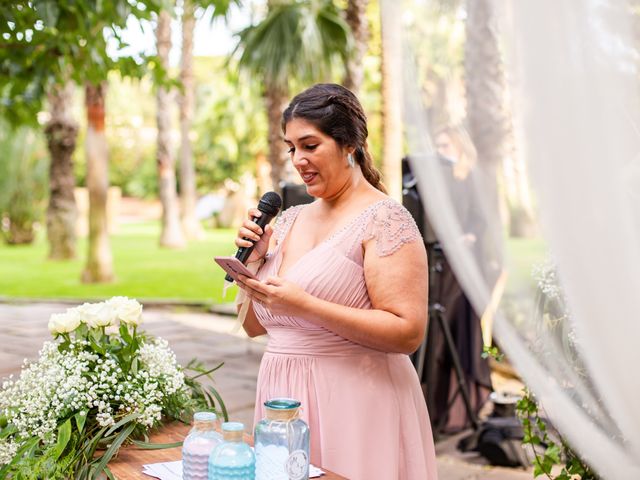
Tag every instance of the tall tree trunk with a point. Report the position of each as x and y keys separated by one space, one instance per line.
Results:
x=516 y=180
x=357 y=19
x=486 y=115
x=171 y=235
x=190 y=223
x=276 y=101
x=99 y=267
x=62 y=134
x=392 y=126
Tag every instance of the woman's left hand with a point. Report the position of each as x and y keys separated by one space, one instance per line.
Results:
x=279 y=296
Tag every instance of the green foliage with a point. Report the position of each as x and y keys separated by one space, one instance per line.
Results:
x=23 y=180
x=145 y=270
x=493 y=352
x=230 y=125
x=296 y=40
x=80 y=445
x=536 y=435
x=43 y=42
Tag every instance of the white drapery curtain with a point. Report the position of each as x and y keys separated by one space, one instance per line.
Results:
x=573 y=80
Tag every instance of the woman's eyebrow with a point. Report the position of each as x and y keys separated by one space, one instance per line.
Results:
x=301 y=139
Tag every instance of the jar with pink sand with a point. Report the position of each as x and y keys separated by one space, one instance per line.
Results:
x=197 y=447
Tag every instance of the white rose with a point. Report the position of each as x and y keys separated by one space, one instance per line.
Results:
x=63 y=323
x=127 y=310
x=96 y=314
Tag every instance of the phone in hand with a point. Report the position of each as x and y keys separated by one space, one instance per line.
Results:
x=233 y=267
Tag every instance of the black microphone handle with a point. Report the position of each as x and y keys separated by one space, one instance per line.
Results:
x=243 y=252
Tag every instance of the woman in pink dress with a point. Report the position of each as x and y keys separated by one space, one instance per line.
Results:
x=342 y=295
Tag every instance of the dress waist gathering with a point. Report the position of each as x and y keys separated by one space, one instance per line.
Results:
x=313 y=342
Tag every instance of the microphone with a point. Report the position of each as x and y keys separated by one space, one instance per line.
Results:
x=269 y=205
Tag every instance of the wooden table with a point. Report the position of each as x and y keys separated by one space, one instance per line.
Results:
x=128 y=464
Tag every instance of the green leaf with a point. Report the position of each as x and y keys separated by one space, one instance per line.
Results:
x=155 y=446
x=221 y=404
x=108 y=473
x=106 y=457
x=64 y=434
x=7 y=431
x=128 y=418
x=81 y=418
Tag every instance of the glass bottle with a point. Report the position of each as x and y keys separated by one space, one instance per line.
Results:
x=232 y=459
x=197 y=447
x=282 y=442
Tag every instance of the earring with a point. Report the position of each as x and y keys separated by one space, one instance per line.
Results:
x=350 y=160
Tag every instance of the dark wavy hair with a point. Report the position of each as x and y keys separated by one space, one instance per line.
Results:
x=336 y=112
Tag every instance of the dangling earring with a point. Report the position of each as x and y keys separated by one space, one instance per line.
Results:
x=350 y=160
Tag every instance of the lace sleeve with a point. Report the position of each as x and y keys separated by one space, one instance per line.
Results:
x=283 y=222
x=392 y=226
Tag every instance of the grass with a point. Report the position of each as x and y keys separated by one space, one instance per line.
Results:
x=143 y=270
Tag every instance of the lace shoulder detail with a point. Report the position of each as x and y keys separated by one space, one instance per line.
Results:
x=284 y=221
x=392 y=226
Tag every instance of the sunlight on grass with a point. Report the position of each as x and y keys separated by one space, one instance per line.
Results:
x=143 y=269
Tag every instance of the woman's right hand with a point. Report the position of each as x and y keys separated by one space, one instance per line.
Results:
x=252 y=231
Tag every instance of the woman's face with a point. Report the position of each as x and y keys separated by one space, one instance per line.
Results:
x=320 y=161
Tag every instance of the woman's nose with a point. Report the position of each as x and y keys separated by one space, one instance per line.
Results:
x=298 y=158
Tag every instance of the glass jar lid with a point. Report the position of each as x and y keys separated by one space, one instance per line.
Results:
x=233 y=427
x=282 y=403
x=205 y=417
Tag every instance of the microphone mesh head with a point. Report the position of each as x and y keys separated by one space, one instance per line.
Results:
x=270 y=203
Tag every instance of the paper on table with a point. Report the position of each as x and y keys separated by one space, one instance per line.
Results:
x=173 y=470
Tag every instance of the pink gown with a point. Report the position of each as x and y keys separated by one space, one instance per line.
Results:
x=365 y=408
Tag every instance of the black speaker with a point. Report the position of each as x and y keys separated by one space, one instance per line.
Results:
x=294 y=194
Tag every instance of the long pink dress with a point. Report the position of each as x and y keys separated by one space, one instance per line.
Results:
x=364 y=407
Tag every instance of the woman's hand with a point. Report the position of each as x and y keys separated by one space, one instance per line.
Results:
x=279 y=296
x=252 y=231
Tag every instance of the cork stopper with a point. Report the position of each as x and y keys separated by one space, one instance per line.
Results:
x=283 y=409
x=232 y=431
x=205 y=421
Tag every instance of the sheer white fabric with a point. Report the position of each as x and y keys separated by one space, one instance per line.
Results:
x=572 y=71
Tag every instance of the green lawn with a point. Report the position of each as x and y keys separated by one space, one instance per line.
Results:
x=143 y=269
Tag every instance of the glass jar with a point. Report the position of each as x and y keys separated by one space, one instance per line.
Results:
x=197 y=447
x=282 y=442
x=232 y=459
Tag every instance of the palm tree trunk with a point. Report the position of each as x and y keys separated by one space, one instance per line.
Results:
x=392 y=130
x=190 y=223
x=276 y=101
x=99 y=267
x=356 y=16
x=171 y=235
x=486 y=115
x=62 y=134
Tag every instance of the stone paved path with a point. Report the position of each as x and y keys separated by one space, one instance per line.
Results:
x=211 y=338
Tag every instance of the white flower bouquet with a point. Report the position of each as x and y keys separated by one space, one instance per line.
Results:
x=100 y=384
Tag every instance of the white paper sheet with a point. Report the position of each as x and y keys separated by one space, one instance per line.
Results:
x=173 y=470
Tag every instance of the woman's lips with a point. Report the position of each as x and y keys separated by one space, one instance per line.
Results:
x=308 y=177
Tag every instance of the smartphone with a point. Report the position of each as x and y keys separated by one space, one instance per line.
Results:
x=233 y=267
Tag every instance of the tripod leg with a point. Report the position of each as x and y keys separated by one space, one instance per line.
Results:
x=462 y=382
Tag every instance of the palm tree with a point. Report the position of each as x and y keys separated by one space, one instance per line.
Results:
x=296 y=40
x=356 y=16
x=188 y=194
x=190 y=223
x=487 y=118
x=171 y=235
x=99 y=267
x=62 y=133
